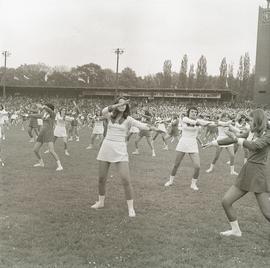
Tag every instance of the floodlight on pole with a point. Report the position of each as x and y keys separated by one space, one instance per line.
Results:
x=5 y=54
x=118 y=52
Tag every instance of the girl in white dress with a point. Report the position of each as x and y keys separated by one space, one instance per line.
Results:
x=114 y=149
x=98 y=129
x=60 y=128
x=223 y=126
x=188 y=144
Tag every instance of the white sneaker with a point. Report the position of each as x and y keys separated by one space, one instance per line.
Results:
x=131 y=213
x=39 y=164
x=2 y=163
x=234 y=173
x=47 y=151
x=97 y=205
x=135 y=152
x=77 y=139
x=32 y=140
x=59 y=168
x=153 y=154
x=168 y=183
x=231 y=233
x=89 y=147
x=67 y=153
x=70 y=139
x=209 y=170
x=194 y=187
x=165 y=148
x=228 y=162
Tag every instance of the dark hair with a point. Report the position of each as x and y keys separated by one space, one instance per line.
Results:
x=225 y=114
x=192 y=108
x=115 y=112
x=1 y=106
x=51 y=106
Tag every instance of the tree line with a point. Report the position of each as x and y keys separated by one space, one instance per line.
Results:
x=89 y=75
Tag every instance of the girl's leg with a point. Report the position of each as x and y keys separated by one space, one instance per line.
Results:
x=232 y=195
x=264 y=204
x=178 y=160
x=29 y=130
x=217 y=154
x=230 y=151
x=103 y=168
x=36 y=131
x=55 y=156
x=1 y=161
x=123 y=169
x=65 y=146
x=136 y=145
x=195 y=158
x=156 y=135
x=36 y=149
x=150 y=142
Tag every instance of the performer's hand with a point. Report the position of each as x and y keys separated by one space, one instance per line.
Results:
x=231 y=134
x=207 y=145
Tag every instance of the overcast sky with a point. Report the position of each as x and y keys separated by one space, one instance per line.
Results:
x=76 y=32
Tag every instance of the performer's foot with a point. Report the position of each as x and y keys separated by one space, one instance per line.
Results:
x=168 y=183
x=131 y=213
x=231 y=233
x=39 y=164
x=97 y=205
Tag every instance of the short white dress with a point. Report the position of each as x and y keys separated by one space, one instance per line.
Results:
x=188 y=142
x=114 y=146
x=98 y=127
x=60 y=127
x=162 y=127
x=222 y=134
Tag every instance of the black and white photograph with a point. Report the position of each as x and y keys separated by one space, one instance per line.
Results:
x=134 y=134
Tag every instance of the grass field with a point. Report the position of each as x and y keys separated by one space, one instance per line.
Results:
x=46 y=219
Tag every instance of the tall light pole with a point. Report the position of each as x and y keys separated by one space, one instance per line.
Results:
x=118 y=52
x=5 y=54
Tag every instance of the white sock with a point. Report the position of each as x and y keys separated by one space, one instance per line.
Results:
x=235 y=226
x=194 y=181
x=232 y=168
x=171 y=178
x=245 y=160
x=130 y=204
x=101 y=199
x=58 y=163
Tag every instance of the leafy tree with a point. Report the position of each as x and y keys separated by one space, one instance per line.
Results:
x=182 y=82
x=128 y=78
x=201 y=72
x=191 y=76
x=167 y=74
x=222 y=80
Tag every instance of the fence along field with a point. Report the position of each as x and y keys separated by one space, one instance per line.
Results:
x=46 y=219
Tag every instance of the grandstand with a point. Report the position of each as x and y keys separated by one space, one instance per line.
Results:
x=150 y=93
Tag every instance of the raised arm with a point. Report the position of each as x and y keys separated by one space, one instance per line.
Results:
x=257 y=144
